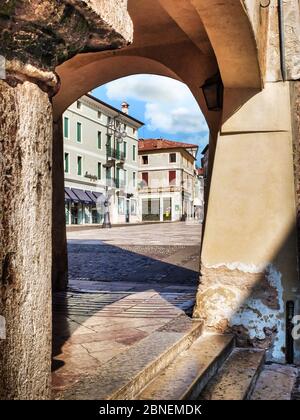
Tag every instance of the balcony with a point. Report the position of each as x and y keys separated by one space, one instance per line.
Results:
x=146 y=189
x=120 y=184
x=120 y=156
x=114 y=157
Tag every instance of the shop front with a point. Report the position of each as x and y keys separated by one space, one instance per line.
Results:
x=81 y=207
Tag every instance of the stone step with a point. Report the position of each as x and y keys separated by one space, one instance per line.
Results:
x=190 y=372
x=276 y=382
x=237 y=377
x=124 y=376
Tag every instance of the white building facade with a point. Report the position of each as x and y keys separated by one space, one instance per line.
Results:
x=100 y=160
x=166 y=180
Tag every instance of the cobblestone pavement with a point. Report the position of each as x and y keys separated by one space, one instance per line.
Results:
x=142 y=254
x=125 y=284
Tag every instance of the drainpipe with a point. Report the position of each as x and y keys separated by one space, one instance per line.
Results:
x=282 y=40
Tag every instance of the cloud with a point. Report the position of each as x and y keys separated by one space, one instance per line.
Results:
x=177 y=120
x=169 y=105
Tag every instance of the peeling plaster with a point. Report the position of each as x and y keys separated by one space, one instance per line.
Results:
x=237 y=303
x=245 y=268
x=257 y=317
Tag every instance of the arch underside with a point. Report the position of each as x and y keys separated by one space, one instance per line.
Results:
x=187 y=40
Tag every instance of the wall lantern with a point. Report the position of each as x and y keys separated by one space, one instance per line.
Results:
x=213 y=93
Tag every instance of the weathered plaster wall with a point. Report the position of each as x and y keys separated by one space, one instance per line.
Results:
x=265 y=20
x=292 y=37
x=295 y=107
x=249 y=259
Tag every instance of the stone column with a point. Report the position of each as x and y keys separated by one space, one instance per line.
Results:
x=249 y=254
x=59 y=237
x=35 y=37
x=25 y=249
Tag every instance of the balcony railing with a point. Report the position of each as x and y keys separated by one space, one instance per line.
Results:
x=120 y=183
x=120 y=155
x=111 y=153
x=147 y=189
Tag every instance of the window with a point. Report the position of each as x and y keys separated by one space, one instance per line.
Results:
x=66 y=127
x=134 y=179
x=125 y=149
x=99 y=114
x=145 y=178
x=121 y=206
x=79 y=165
x=145 y=160
x=118 y=183
x=99 y=172
x=172 y=157
x=79 y=132
x=172 y=177
x=125 y=177
x=108 y=174
x=78 y=105
x=99 y=140
x=133 y=207
x=134 y=131
x=118 y=150
x=108 y=146
x=66 y=163
x=134 y=153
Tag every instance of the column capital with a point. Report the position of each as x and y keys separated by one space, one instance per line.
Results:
x=35 y=36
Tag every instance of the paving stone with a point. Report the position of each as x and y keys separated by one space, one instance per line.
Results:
x=190 y=371
x=276 y=382
x=128 y=372
x=237 y=377
x=122 y=291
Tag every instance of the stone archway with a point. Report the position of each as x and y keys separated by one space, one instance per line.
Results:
x=193 y=39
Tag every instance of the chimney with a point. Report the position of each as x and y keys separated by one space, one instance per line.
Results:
x=125 y=108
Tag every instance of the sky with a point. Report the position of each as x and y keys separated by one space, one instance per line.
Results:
x=166 y=106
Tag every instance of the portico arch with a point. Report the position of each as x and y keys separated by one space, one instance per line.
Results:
x=189 y=40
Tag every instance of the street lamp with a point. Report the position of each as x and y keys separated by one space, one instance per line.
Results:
x=213 y=90
x=117 y=129
x=104 y=201
x=106 y=222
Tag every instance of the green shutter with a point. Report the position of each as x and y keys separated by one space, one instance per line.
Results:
x=79 y=132
x=99 y=170
x=79 y=165
x=118 y=178
x=66 y=127
x=99 y=140
x=134 y=153
x=66 y=162
x=125 y=149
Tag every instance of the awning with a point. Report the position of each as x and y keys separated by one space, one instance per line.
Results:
x=82 y=195
x=97 y=195
x=67 y=197
x=72 y=197
x=91 y=195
